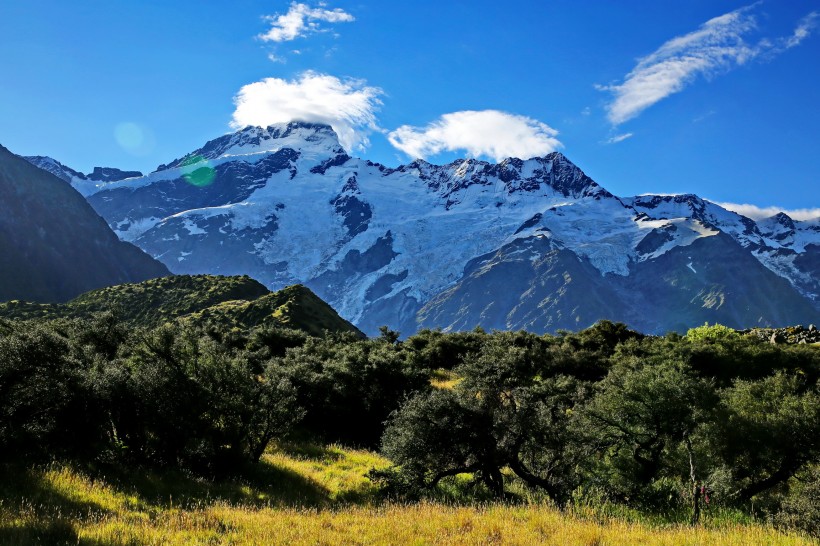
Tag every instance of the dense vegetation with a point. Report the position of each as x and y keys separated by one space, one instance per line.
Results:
x=219 y=301
x=602 y=417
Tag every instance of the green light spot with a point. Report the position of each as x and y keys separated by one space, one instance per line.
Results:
x=197 y=172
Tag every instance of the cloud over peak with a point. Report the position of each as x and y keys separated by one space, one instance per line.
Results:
x=717 y=46
x=490 y=133
x=347 y=105
x=301 y=20
x=758 y=213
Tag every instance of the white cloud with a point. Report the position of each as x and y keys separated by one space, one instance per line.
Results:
x=803 y=30
x=619 y=138
x=301 y=20
x=489 y=133
x=348 y=106
x=756 y=213
x=718 y=45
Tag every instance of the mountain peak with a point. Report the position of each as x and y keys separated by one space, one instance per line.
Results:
x=784 y=219
x=314 y=139
x=677 y=205
x=56 y=168
x=111 y=174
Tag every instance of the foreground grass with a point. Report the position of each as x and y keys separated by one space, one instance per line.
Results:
x=304 y=495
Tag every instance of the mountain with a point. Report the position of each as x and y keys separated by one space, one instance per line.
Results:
x=229 y=301
x=531 y=244
x=83 y=183
x=53 y=245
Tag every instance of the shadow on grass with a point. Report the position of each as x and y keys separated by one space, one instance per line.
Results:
x=27 y=491
x=34 y=511
x=27 y=496
x=260 y=485
x=39 y=531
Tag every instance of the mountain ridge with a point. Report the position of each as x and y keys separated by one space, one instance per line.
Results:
x=52 y=242
x=286 y=204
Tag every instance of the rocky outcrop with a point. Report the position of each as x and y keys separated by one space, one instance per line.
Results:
x=790 y=334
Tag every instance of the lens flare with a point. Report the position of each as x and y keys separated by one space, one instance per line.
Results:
x=197 y=171
x=134 y=138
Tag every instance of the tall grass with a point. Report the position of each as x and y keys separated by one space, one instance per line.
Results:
x=306 y=494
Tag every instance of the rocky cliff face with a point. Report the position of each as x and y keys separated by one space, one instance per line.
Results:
x=54 y=246
x=530 y=243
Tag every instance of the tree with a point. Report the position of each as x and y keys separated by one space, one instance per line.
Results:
x=766 y=431
x=197 y=403
x=640 y=415
x=47 y=404
x=509 y=411
x=348 y=389
x=434 y=349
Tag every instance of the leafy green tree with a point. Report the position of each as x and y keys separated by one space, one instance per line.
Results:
x=348 y=388
x=637 y=421
x=510 y=410
x=49 y=403
x=196 y=403
x=434 y=349
x=767 y=431
x=801 y=508
x=706 y=333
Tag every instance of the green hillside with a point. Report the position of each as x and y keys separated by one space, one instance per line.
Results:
x=226 y=301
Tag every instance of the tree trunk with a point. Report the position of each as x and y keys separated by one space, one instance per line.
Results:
x=696 y=495
x=696 y=489
x=786 y=471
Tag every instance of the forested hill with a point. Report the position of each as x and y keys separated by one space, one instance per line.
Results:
x=224 y=301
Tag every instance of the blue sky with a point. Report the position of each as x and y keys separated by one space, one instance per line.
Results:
x=709 y=97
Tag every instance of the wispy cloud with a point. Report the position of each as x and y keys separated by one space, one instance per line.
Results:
x=301 y=20
x=719 y=45
x=490 y=133
x=756 y=213
x=804 y=29
x=349 y=106
x=619 y=138
x=706 y=115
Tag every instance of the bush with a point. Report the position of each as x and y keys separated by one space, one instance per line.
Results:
x=348 y=389
x=50 y=401
x=801 y=509
x=198 y=404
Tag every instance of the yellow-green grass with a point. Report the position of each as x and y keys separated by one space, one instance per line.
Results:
x=305 y=494
x=444 y=379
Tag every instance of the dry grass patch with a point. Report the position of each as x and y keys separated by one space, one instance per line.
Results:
x=414 y=524
x=304 y=494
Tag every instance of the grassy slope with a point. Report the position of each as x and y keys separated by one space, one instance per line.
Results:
x=292 y=307
x=305 y=494
x=229 y=301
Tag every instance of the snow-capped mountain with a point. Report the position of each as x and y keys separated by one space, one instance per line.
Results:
x=530 y=244
x=86 y=184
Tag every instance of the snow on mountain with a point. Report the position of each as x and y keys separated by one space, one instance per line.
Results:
x=287 y=204
x=86 y=184
x=311 y=139
x=783 y=245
